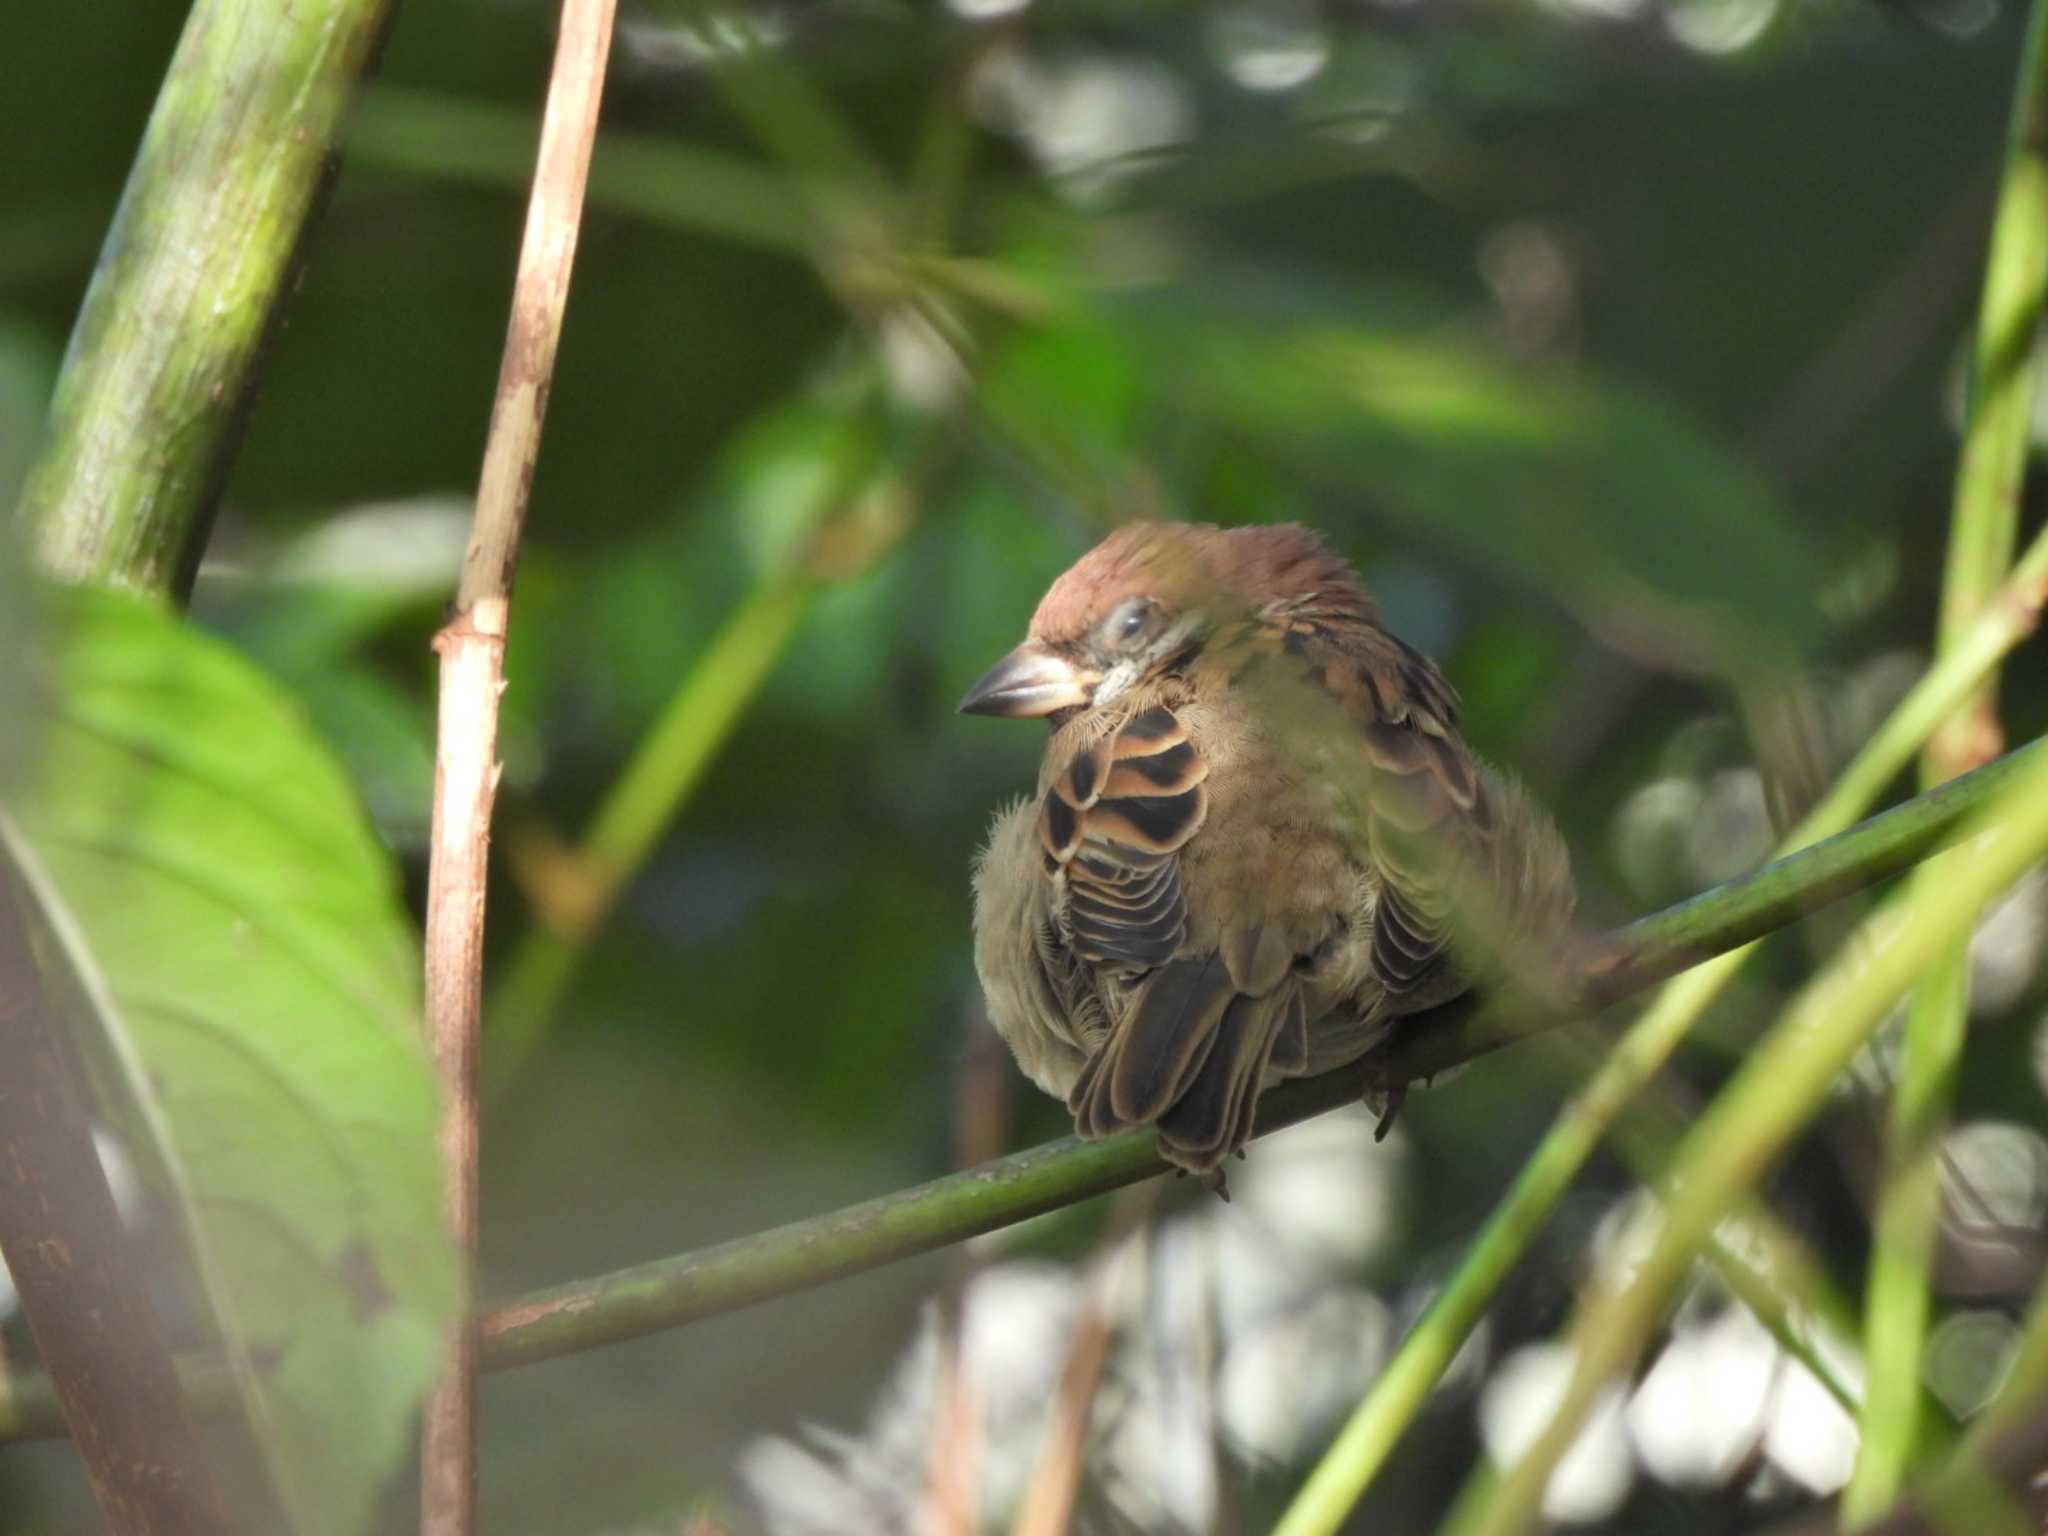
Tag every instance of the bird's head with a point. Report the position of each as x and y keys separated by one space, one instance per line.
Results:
x=1145 y=600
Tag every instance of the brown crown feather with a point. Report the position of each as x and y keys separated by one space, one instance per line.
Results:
x=1182 y=564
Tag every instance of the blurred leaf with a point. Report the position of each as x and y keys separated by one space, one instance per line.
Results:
x=1503 y=665
x=385 y=740
x=1616 y=504
x=1067 y=397
x=425 y=134
x=237 y=932
x=989 y=572
x=310 y=613
x=607 y=640
x=28 y=371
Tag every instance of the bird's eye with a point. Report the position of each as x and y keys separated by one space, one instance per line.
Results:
x=1131 y=619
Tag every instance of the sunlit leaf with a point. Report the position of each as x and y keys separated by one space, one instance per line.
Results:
x=217 y=895
x=1613 y=502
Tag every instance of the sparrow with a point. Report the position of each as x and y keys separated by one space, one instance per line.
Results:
x=1256 y=839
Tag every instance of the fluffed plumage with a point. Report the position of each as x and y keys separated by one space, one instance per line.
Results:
x=1255 y=821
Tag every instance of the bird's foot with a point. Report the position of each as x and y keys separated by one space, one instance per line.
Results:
x=1213 y=1181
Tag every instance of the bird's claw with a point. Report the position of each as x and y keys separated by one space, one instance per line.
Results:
x=1390 y=1104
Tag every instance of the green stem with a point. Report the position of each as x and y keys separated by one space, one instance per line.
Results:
x=1782 y=1083
x=1763 y=1292
x=2012 y=614
x=1760 y=1261
x=849 y=523
x=1904 y=1232
x=2000 y=402
x=1983 y=531
x=149 y=406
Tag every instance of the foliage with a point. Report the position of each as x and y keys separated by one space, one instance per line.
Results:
x=235 y=935
x=1613 y=341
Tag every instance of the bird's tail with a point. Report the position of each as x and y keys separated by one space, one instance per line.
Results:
x=1189 y=1056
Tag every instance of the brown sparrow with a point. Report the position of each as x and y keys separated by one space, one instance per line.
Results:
x=1255 y=829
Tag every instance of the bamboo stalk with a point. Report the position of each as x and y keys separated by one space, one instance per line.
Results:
x=233 y=166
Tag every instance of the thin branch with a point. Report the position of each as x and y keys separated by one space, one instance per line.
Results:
x=232 y=168
x=472 y=650
x=85 y=1300
x=669 y=1293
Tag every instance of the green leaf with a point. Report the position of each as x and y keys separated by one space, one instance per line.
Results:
x=1626 y=512
x=211 y=882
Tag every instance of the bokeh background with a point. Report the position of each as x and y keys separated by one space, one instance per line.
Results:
x=1616 y=340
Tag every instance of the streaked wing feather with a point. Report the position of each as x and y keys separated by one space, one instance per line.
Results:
x=1426 y=797
x=1113 y=822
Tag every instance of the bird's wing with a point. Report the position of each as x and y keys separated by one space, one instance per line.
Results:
x=1193 y=1033
x=1429 y=809
x=1112 y=824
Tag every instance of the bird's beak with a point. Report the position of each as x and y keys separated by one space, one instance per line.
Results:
x=1029 y=682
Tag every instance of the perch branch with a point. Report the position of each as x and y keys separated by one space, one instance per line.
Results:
x=814 y=1252
x=472 y=651
x=669 y=1292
